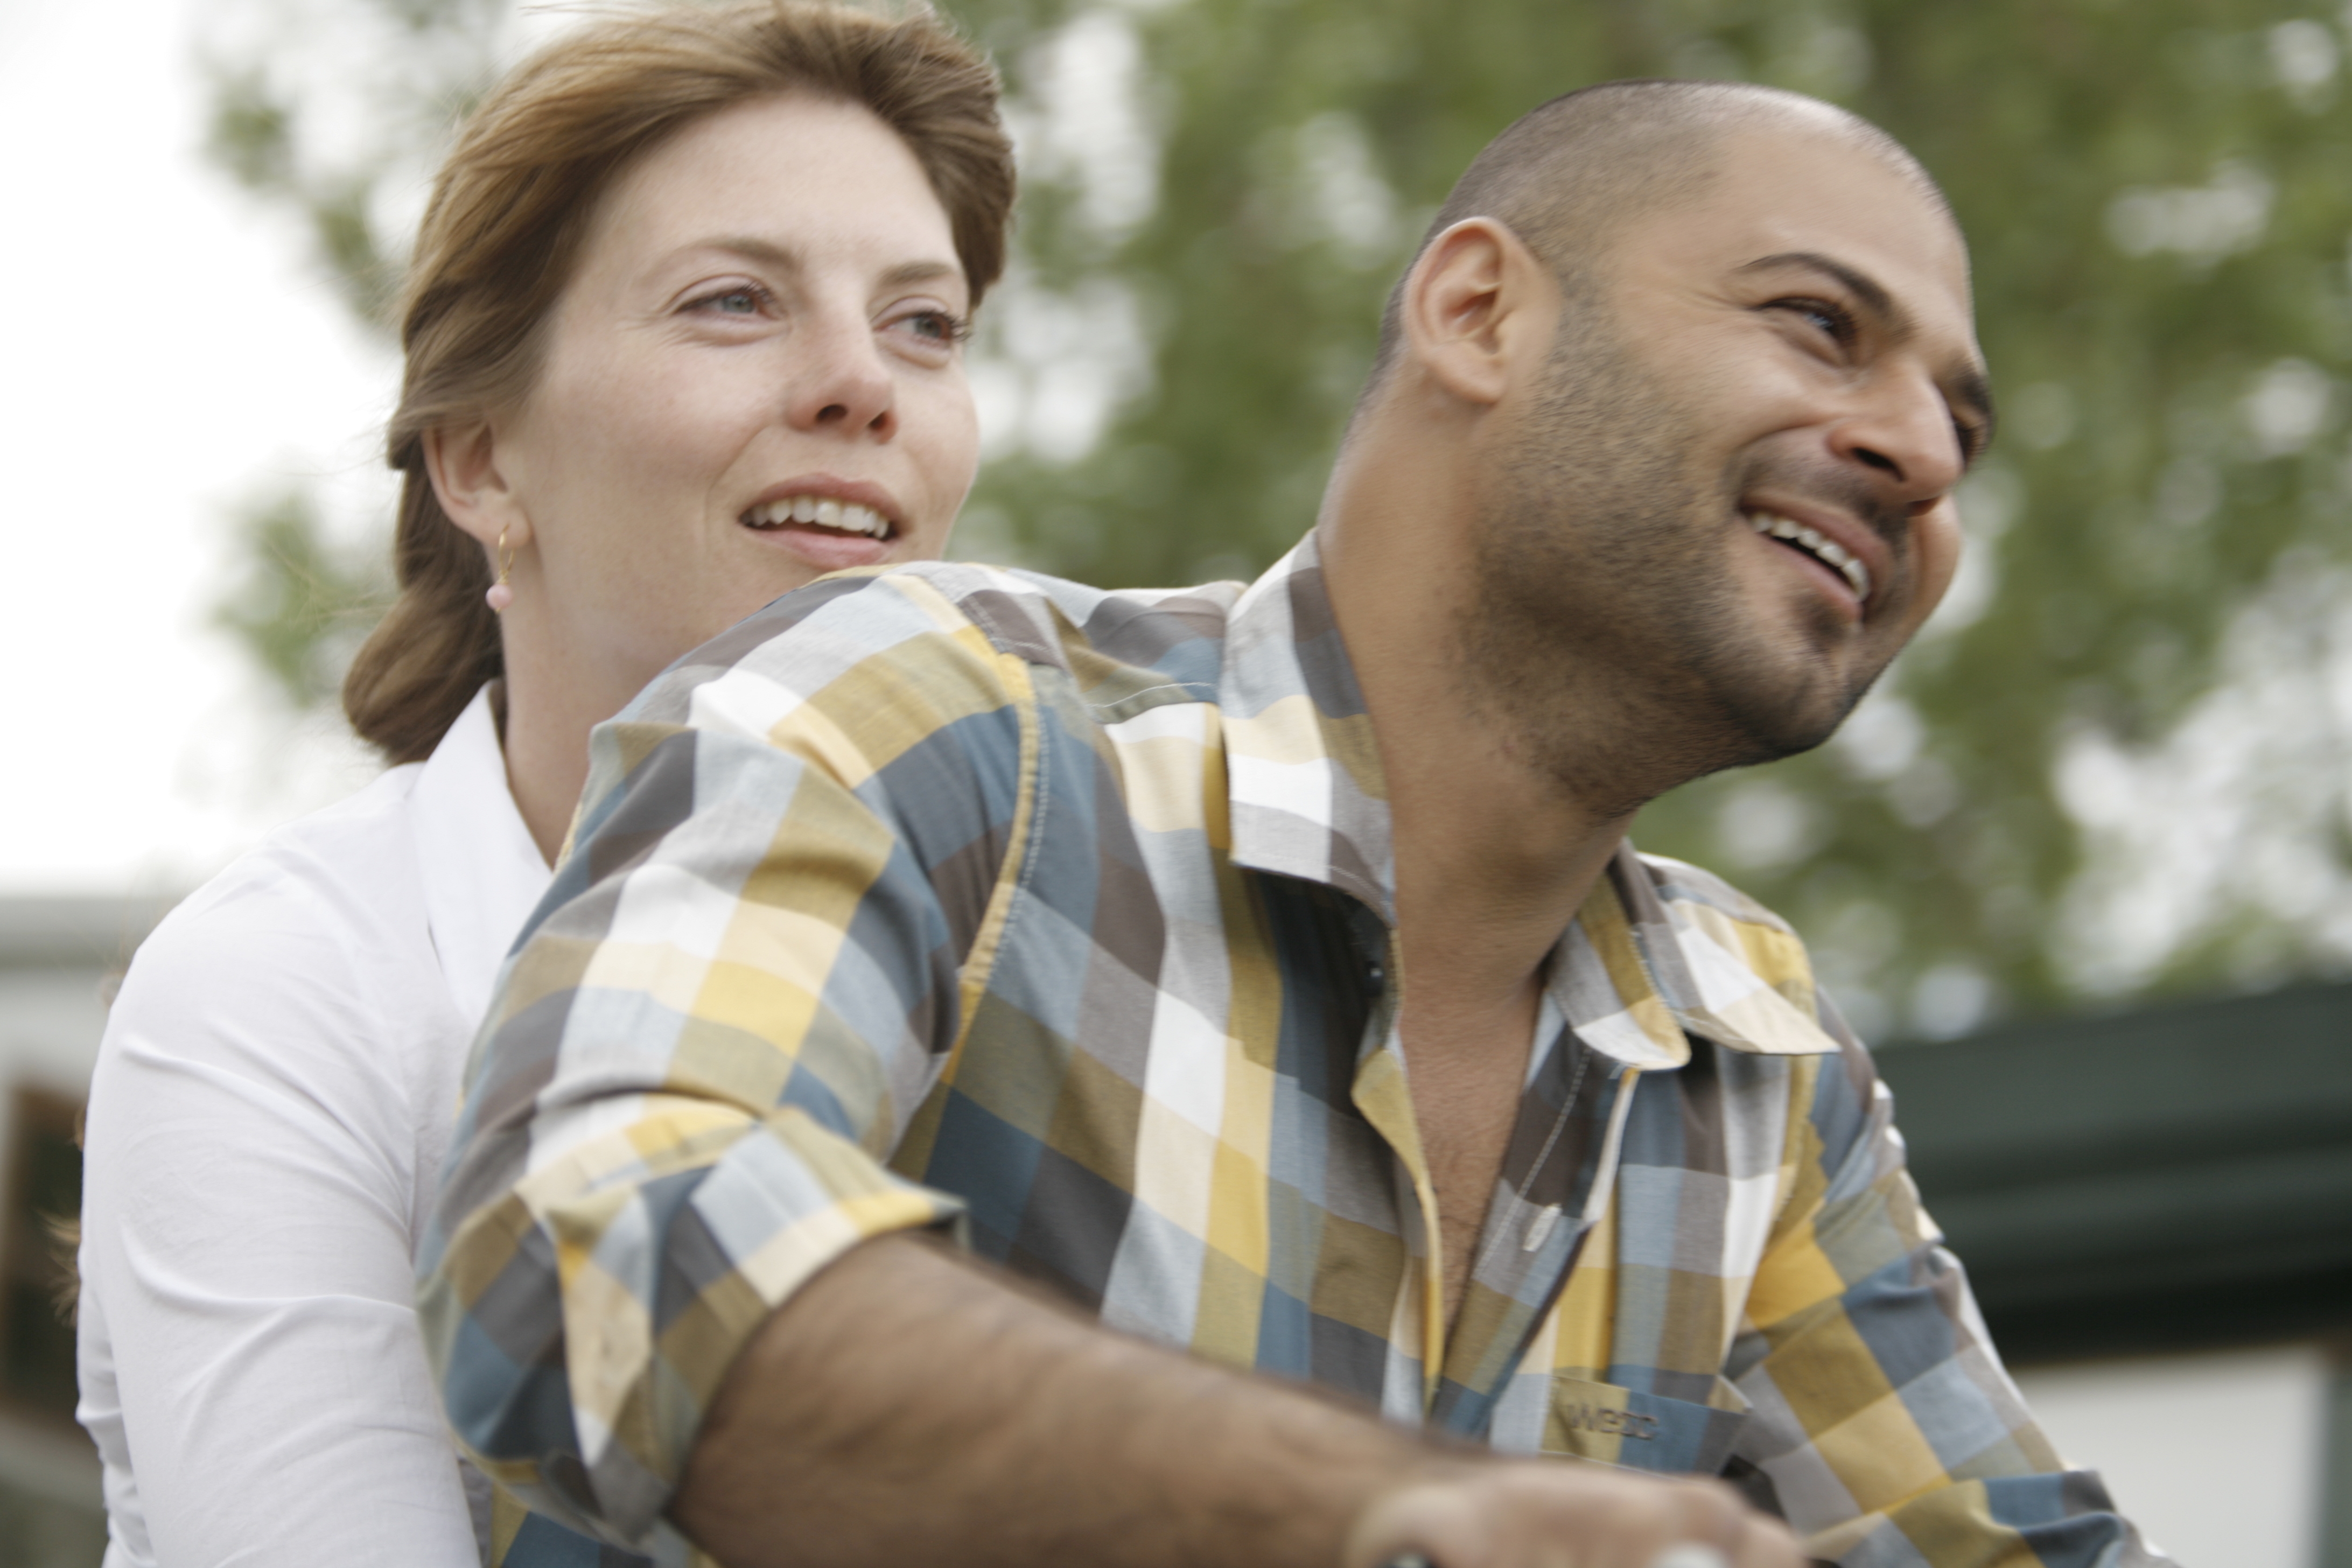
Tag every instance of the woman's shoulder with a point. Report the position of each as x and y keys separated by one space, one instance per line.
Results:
x=345 y=871
x=296 y=991
x=318 y=938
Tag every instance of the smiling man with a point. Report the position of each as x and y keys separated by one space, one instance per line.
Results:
x=996 y=1043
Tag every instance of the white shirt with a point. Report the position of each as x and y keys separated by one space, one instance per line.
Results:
x=267 y=1125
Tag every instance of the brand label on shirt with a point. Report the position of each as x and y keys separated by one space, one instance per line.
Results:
x=1591 y=1421
x=1646 y=1431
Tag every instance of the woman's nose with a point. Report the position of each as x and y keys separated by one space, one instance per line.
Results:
x=840 y=384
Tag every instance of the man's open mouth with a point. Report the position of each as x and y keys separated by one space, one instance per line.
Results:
x=821 y=512
x=1826 y=550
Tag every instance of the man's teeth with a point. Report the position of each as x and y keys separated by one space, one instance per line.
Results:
x=844 y=517
x=1857 y=575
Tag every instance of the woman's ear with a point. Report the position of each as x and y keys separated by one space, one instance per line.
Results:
x=462 y=462
x=1475 y=304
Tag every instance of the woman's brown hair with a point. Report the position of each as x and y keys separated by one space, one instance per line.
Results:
x=503 y=229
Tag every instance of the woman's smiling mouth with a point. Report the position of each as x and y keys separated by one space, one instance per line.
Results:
x=819 y=512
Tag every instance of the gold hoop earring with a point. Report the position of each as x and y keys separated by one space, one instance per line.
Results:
x=501 y=593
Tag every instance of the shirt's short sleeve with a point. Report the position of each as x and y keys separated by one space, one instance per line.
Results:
x=1882 y=1424
x=748 y=973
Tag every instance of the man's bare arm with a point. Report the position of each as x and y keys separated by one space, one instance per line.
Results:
x=906 y=1406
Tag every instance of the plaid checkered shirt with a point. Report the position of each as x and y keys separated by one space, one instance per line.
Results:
x=958 y=896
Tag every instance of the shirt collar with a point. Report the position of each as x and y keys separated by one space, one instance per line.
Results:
x=482 y=873
x=1651 y=962
x=1302 y=768
x=1643 y=965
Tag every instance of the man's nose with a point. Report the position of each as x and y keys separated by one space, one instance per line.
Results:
x=841 y=384
x=1903 y=432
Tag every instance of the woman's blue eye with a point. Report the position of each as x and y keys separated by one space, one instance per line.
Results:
x=746 y=301
x=938 y=326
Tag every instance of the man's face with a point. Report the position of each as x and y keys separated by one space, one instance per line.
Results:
x=1726 y=504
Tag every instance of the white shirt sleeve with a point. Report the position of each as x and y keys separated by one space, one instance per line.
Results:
x=248 y=1218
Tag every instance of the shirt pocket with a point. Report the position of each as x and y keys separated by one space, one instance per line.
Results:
x=1643 y=1431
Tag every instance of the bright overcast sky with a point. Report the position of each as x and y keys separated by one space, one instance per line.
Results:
x=166 y=355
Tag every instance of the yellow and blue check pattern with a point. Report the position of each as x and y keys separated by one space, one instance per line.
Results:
x=958 y=896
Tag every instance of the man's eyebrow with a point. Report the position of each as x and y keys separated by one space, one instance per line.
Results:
x=1968 y=386
x=1972 y=390
x=1861 y=284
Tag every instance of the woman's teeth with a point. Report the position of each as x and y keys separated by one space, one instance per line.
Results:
x=1813 y=541
x=843 y=517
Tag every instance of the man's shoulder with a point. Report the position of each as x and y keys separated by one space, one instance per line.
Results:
x=1680 y=882
x=943 y=625
x=1177 y=633
x=1705 y=908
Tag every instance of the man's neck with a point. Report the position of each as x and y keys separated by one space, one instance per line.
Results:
x=1493 y=857
x=1492 y=862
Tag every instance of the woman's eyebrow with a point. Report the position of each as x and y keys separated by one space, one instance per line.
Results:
x=785 y=258
x=750 y=248
x=907 y=272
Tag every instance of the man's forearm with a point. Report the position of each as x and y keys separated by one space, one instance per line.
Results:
x=905 y=1406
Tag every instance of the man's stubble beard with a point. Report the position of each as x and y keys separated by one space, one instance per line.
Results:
x=1608 y=639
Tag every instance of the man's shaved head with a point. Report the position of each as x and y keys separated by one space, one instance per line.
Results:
x=1674 y=360
x=1566 y=175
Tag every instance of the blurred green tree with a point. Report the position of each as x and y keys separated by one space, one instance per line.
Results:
x=331 y=114
x=2097 y=774
x=301 y=605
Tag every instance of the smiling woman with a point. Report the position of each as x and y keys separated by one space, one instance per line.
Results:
x=764 y=322
x=683 y=331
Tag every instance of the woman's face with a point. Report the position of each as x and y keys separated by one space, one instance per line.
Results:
x=754 y=376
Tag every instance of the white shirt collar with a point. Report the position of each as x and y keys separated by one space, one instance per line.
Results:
x=481 y=871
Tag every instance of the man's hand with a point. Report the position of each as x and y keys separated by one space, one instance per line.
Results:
x=1561 y=1514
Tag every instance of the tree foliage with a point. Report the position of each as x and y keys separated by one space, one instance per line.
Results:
x=2156 y=193
x=331 y=114
x=1218 y=194
x=299 y=606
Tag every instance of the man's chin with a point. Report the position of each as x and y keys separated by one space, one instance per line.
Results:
x=1768 y=721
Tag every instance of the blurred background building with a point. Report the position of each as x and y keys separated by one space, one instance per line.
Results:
x=2088 y=848
x=59 y=958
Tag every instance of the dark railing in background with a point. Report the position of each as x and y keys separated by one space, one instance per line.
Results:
x=2167 y=1179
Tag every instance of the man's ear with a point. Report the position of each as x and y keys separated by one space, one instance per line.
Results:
x=462 y=462
x=1474 y=305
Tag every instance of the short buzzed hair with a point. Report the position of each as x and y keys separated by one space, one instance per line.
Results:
x=1566 y=174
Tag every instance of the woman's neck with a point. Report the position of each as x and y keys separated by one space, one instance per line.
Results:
x=552 y=704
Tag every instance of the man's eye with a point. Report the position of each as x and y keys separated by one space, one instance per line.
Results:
x=1830 y=321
